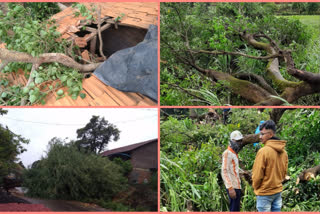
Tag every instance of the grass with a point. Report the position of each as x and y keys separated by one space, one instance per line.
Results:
x=312 y=21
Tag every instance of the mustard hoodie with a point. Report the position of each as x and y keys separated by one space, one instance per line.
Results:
x=270 y=168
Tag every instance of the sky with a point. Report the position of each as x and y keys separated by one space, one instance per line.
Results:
x=40 y=125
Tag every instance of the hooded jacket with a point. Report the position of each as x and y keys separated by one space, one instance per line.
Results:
x=270 y=168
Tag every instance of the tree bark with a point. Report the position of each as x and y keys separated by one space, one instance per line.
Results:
x=249 y=139
x=308 y=174
x=14 y=56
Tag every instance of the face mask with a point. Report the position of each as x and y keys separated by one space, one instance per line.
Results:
x=235 y=146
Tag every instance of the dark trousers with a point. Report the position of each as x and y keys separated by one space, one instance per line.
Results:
x=235 y=203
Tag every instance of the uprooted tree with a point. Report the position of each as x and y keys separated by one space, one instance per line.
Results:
x=239 y=49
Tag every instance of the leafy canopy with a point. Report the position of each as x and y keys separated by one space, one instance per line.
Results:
x=67 y=173
x=96 y=135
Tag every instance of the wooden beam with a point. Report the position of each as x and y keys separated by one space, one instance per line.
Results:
x=93 y=44
x=92 y=35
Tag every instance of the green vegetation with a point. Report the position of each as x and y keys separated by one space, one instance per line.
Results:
x=11 y=145
x=191 y=153
x=40 y=11
x=75 y=170
x=312 y=21
x=96 y=135
x=187 y=28
x=66 y=173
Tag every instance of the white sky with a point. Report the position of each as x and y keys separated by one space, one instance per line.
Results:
x=136 y=125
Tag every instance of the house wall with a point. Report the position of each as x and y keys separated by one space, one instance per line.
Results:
x=140 y=176
x=146 y=156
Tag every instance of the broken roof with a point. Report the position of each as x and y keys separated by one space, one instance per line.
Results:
x=136 y=14
x=127 y=148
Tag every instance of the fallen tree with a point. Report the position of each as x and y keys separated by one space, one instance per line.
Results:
x=194 y=47
x=308 y=174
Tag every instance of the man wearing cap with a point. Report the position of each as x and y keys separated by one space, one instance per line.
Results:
x=230 y=171
x=269 y=169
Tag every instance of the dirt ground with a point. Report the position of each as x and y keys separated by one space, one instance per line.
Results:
x=9 y=198
x=16 y=201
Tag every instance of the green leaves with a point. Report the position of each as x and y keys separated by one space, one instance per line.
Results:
x=66 y=172
x=4 y=94
x=38 y=80
x=25 y=90
x=60 y=92
x=34 y=95
x=63 y=78
x=33 y=98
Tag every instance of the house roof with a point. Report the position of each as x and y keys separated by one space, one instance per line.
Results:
x=127 y=148
x=97 y=94
x=134 y=14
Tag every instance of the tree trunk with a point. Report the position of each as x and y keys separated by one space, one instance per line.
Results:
x=308 y=174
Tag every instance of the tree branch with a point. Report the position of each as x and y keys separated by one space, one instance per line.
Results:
x=99 y=33
x=249 y=139
x=306 y=76
x=259 y=79
x=273 y=65
x=14 y=56
x=236 y=54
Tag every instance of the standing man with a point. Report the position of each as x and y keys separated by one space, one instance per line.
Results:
x=230 y=171
x=269 y=169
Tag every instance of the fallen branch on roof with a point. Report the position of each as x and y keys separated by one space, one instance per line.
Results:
x=99 y=33
x=14 y=56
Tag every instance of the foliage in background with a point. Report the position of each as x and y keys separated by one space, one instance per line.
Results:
x=96 y=135
x=126 y=166
x=11 y=145
x=191 y=160
x=31 y=32
x=216 y=26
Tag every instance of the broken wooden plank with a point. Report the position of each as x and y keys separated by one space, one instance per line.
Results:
x=90 y=36
x=93 y=44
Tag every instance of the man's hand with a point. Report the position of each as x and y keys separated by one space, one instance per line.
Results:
x=232 y=193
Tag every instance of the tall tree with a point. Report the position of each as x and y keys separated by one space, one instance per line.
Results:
x=96 y=135
x=11 y=145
